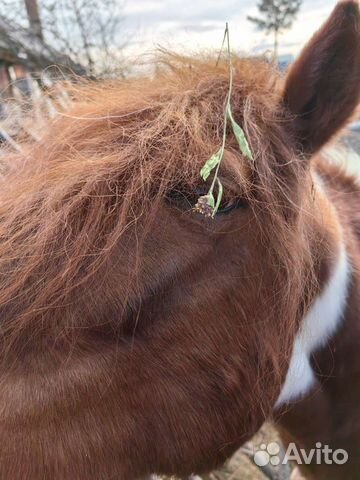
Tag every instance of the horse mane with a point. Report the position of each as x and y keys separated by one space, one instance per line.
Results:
x=103 y=168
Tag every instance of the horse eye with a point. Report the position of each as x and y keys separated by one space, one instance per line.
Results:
x=231 y=205
x=183 y=200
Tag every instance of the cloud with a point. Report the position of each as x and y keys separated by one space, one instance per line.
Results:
x=195 y=24
x=183 y=10
x=196 y=28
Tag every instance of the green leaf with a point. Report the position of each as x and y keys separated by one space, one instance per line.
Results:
x=218 y=198
x=211 y=200
x=240 y=136
x=213 y=161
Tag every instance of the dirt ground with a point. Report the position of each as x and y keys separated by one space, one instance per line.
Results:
x=242 y=467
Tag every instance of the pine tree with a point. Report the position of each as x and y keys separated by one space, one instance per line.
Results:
x=276 y=16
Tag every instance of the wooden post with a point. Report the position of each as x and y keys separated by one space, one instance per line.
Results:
x=4 y=78
x=5 y=83
x=32 y=11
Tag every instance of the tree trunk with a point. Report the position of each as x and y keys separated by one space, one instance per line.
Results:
x=276 y=44
x=32 y=11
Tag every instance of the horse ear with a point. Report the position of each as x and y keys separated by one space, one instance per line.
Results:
x=322 y=88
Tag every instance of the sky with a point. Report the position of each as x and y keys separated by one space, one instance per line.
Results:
x=194 y=25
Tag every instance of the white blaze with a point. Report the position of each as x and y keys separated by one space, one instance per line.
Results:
x=319 y=325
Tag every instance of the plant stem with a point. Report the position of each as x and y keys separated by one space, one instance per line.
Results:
x=227 y=106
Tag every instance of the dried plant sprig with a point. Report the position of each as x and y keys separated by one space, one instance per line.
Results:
x=206 y=204
x=240 y=136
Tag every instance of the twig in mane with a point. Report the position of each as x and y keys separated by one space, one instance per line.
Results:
x=206 y=204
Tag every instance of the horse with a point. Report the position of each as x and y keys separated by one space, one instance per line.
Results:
x=140 y=337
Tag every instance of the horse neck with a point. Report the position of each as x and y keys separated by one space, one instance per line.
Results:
x=337 y=220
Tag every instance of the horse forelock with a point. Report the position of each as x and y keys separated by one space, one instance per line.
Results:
x=103 y=169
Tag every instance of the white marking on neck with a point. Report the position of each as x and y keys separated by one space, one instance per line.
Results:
x=320 y=323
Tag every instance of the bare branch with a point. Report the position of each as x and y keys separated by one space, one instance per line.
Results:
x=87 y=32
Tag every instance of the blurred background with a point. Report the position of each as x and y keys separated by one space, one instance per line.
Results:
x=46 y=43
x=97 y=37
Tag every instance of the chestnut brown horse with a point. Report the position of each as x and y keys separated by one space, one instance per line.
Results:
x=139 y=337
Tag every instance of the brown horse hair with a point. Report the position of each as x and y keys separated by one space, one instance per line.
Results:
x=103 y=168
x=96 y=184
x=136 y=336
